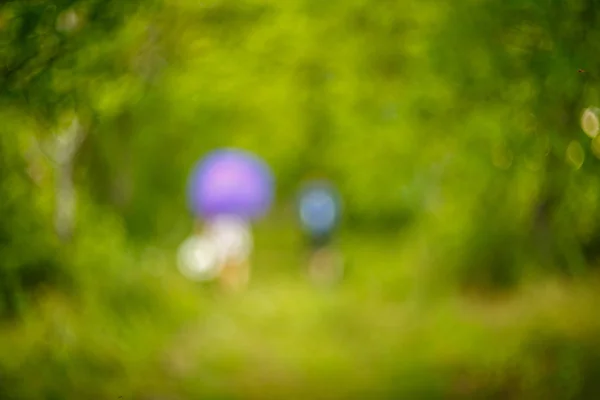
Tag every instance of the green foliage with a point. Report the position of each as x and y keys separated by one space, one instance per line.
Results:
x=451 y=129
x=30 y=255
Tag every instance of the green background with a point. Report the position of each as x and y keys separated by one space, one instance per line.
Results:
x=470 y=229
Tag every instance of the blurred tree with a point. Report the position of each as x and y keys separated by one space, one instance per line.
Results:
x=522 y=61
x=30 y=256
x=55 y=57
x=458 y=118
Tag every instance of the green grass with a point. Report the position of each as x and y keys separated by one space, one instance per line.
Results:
x=153 y=333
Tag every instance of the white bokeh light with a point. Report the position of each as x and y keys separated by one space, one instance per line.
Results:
x=198 y=259
x=589 y=122
x=231 y=237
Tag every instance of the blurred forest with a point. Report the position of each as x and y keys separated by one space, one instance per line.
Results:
x=471 y=197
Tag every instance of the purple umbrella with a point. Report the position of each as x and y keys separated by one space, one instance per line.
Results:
x=230 y=182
